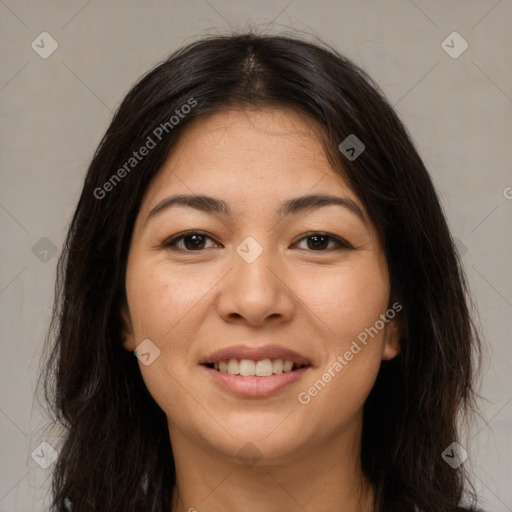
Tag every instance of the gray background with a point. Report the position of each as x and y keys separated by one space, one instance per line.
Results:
x=55 y=110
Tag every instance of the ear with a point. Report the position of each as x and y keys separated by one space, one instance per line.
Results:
x=127 y=329
x=392 y=334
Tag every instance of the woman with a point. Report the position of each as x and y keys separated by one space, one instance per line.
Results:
x=260 y=306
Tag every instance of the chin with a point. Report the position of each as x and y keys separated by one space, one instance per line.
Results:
x=269 y=440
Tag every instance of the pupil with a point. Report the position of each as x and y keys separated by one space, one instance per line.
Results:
x=316 y=239
x=195 y=244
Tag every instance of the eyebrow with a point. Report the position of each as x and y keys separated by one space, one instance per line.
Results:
x=292 y=206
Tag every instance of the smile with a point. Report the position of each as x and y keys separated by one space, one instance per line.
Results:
x=250 y=371
x=249 y=368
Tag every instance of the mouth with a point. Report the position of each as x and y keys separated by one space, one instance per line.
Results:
x=259 y=368
x=255 y=372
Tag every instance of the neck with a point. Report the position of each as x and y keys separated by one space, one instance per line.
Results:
x=324 y=477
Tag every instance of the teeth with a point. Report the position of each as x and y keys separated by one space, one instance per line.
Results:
x=277 y=366
x=264 y=368
x=247 y=367
x=233 y=367
x=287 y=366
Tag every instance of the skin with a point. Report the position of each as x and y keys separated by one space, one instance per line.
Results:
x=314 y=301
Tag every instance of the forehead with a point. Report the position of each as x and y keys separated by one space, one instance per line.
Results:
x=263 y=135
x=242 y=152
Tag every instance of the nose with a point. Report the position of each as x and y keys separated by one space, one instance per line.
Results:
x=257 y=292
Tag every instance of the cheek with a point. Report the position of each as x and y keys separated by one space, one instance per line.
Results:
x=160 y=299
x=346 y=301
x=161 y=296
x=351 y=345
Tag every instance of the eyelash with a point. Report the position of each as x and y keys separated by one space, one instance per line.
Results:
x=171 y=243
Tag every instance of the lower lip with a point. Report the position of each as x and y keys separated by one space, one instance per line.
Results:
x=255 y=387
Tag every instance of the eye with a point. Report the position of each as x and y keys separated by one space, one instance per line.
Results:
x=192 y=241
x=195 y=241
x=320 y=241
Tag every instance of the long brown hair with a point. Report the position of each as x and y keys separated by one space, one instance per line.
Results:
x=116 y=454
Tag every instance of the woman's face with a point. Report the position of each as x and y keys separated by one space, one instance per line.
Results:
x=277 y=261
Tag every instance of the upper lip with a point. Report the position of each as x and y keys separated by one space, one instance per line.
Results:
x=256 y=354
